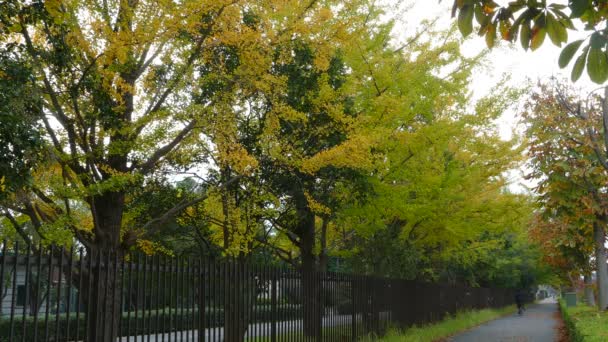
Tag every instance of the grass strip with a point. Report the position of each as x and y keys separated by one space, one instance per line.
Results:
x=585 y=323
x=462 y=321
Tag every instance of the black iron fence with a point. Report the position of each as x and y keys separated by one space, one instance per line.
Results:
x=54 y=294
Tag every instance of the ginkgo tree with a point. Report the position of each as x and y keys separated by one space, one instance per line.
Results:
x=439 y=192
x=125 y=88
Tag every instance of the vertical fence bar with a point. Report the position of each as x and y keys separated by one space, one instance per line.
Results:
x=214 y=300
x=79 y=298
x=90 y=256
x=189 y=312
x=181 y=298
x=103 y=300
x=273 y=307
x=129 y=299
x=2 y=267
x=157 y=300
x=339 y=292
x=149 y=270
x=217 y=299
x=37 y=293
x=13 y=292
x=225 y=293
x=163 y=261
x=27 y=285
x=144 y=308
x=60 y=274
x=123 y=277
x=150 y=307
x=170 y=293
x=354 y=307
x=48 y=294
x=176 y=296
x=68 y=277
x=115 y=283
x=202 y=265
x=253 y=307
x=319 y=305
x=296 y=324
x=266 y=282
x=137 y=293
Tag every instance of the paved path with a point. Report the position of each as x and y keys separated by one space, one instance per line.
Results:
x=537 y=324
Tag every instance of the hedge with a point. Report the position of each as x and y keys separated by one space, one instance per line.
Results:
x=154 y=321
x=585 y=323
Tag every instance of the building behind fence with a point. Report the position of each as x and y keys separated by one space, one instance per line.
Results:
x=54 y=294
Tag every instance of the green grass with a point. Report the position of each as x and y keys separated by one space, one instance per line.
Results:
x=585 y=323
x=432 y=332
x=449 y=326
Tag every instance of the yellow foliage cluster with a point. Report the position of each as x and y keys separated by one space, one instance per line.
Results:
x=354 y=153
x=151 y=248
x=229 y=227
x=315 y=206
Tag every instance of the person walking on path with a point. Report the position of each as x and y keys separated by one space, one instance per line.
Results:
x=519 y=300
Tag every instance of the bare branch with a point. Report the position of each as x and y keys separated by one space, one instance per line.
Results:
x=18 y=228
x=161 y=152
x=152 y=226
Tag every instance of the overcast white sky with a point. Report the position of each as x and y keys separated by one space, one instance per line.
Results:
x=506 y=58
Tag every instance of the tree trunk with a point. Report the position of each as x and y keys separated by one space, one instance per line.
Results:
x=589 y=295
x=107 y=211
x=104 y=290
x=311 y=289
x=37 y=293
x=602 y=268
x=323 y=258
x=241 y=287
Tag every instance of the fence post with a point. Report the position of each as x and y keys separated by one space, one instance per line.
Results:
x=201 y=300
x=273 y=306
x=353 y=307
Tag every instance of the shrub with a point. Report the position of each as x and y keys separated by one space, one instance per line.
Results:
x=150 y=321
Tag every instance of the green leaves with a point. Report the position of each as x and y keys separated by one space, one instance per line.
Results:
x=568 y=52
x=538 y=37
x=578 y=7
x=534 y=20
x=579 y=65
x=465 y=20
x=593 y=56
x=556 y=30
x=597 y=65
x=524 y=34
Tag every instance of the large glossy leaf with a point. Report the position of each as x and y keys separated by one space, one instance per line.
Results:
x=481 y=17
x=578 y=7
x=524 y=34
x=568 y=52
x=491 y=35
x=465 y=20
x=579 y=65
x=597 y=40
x=597 y=65
x=553 y=30
x=538 y=37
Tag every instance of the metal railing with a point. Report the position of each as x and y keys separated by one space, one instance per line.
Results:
x=55 y=294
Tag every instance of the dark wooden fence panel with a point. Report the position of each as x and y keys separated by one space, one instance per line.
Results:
x=56 y=294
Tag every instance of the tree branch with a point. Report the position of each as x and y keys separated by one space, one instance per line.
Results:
x=152 y=226
x=161 y=152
